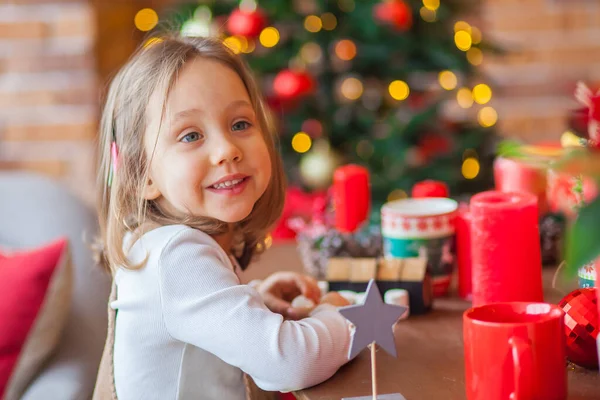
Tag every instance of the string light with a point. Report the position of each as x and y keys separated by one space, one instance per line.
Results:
x=365 y=149
x=427 y=15
x=250 y=46
x=476 y=35
x=269 y=37
x=448 y=80
x=345 y=49
x=352 y=88
x=397 y=194
x=313 y=24
x=470 y=168
x=475 y=56
x=482 y=93
x=248 y=5
x=311 y=52
x=487 y=117
x=301 y=142
x=462 y=26
x=329 y=21
x=464 y=97
x=203 y=13
x=463 y=40
x=432 y=5
x=234 y=43
x=145 y=19
x=346 y=5
x=399 y=90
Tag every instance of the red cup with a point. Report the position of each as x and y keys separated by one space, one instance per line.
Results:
x=515 y=351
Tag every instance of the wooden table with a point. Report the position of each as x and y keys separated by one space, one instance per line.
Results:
x=430 y=363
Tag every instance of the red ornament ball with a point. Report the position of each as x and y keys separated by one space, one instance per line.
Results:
x=394 y=12
x=430 y=188
x=246 y=23
x=292 y=84
x=581 y=326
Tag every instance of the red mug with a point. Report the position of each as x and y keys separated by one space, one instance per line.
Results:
x=515 y=351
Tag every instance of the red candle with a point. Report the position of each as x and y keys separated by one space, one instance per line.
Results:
x=506 y=253
x=513 y=175
x=463 y=251
x=351 y=197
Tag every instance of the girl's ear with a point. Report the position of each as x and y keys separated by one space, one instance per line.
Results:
x=151 y=191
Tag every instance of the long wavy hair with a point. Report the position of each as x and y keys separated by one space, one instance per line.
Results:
x=121 y=206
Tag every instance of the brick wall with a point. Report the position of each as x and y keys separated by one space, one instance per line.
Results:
x=48 y=90
x=551 y=44
x=57 y=55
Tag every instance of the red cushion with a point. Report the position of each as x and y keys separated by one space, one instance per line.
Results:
x=24 y=279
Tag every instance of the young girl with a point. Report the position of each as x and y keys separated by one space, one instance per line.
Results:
x=190 y=182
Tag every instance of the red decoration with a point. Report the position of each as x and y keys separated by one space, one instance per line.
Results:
x=432 y=145
x=581 y=326
x=505 y=248
x=351 y=197
x=591 y=101
x=430 y=188
x=561 y=195
x=292 y=84
x=246 y=23
x=394 y=12
x=308 y=206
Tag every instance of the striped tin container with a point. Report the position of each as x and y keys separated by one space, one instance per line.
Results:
x=422 y=227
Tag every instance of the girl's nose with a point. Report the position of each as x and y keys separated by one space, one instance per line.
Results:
x=225 y=151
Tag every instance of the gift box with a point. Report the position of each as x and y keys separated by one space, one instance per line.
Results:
x=410 y=274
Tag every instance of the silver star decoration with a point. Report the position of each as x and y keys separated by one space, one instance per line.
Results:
x=373 y=321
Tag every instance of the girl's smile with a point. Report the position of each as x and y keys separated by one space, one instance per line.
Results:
x=230 y=185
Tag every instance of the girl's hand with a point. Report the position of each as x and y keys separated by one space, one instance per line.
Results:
x=336 y=299
x=279 y=289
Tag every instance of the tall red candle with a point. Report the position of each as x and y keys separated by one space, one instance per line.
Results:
x=507 y=261
x=351 y=197
x=514 y=175
x=463 y=251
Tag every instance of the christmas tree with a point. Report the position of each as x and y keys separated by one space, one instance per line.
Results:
x=391 y=85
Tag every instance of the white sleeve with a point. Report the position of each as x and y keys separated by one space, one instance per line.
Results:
x=204 y=304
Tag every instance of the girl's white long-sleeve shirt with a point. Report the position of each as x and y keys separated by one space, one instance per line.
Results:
x=186 y=328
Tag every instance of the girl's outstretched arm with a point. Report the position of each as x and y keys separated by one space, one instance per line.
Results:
x=204 y=304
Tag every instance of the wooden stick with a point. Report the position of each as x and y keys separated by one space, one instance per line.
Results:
x=373 y=371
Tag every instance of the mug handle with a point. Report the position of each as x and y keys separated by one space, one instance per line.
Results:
x=523 y=363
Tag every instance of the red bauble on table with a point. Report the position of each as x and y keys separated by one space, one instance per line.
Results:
x=581 y=326
x=394 y=12
x=290 y=84
x=246 y=23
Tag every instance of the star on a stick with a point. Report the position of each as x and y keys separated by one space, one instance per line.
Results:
x=373 y=321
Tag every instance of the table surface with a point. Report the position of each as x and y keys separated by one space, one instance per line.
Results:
x=430 y=362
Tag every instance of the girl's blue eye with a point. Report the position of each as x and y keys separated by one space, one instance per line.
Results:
x=241 y=125
x=191 y=137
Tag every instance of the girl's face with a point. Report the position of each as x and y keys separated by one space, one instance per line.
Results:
x=210 y=157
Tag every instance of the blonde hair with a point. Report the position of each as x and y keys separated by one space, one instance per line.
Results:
x=121 y=206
